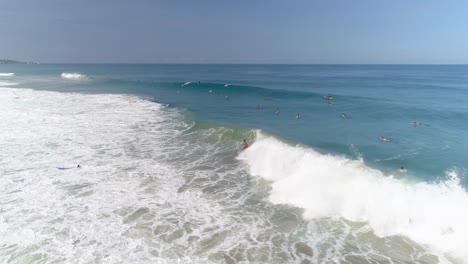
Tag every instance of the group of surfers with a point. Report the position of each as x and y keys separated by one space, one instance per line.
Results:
x=328 y=97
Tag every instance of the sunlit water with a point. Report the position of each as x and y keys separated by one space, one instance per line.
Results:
x=162 y=178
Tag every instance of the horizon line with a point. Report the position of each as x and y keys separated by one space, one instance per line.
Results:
x=214 y=63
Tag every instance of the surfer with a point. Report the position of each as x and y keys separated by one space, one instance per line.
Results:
x=298 y=116
x=384 y=139
x=258 y=106
x=277 y=111
x=245 y=144
x=344 y=116
x=401 y=169
x=68 y=168
x=415 y=123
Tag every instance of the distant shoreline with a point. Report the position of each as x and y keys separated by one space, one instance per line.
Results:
x=5 y=61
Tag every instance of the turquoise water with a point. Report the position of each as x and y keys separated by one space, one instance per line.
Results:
x=379 y=100
x=163 y=178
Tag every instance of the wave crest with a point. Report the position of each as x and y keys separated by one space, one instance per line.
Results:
x=8 y=83
x=73 y=76
x=7 y=74
x=434 y=214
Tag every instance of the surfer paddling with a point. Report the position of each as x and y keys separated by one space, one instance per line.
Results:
x=328 y=97
x=401 y=169
x=382 y=138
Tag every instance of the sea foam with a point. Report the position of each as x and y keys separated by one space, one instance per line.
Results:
x=434 y=214
x=129 y=201
x=64 y=213
x=73 y=76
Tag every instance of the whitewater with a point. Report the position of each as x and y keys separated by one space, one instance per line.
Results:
x=154 y=186
x=7 y=74
x=72 y=75
x=162 y=178
x=337 y=187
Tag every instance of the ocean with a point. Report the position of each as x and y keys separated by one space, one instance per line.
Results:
x=163 y=177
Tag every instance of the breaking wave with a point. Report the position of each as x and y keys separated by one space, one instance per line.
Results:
x=433 y=214
x=73 y=76
x=10 y=74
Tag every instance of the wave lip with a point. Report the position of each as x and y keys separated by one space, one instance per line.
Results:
x=431 y=214
x=7 y=74
x=73 y=76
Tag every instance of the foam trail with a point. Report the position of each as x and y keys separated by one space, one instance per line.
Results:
x=331 y=186
x=226 y=85
x=187 y=83
x=73 y=76
x=10 y=74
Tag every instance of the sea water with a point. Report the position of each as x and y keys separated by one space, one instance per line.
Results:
x=162 y=178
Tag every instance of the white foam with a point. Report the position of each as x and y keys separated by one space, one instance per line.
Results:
x=2 y=83
x=150 y=189
x=434 y=214
x=83 y=215
x=10 y=74
x=73 y=76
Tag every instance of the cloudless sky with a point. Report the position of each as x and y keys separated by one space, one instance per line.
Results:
x=242 y=31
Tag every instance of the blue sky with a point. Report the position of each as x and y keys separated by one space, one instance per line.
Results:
x=216 y=31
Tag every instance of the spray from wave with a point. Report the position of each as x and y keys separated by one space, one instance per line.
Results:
x=73 y=76
x=434 y=214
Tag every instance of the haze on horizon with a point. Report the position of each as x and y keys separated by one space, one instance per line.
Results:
x=210 y=31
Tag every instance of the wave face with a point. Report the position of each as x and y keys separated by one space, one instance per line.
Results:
x=73 y=76
x=10 y=74
x=331 y=186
